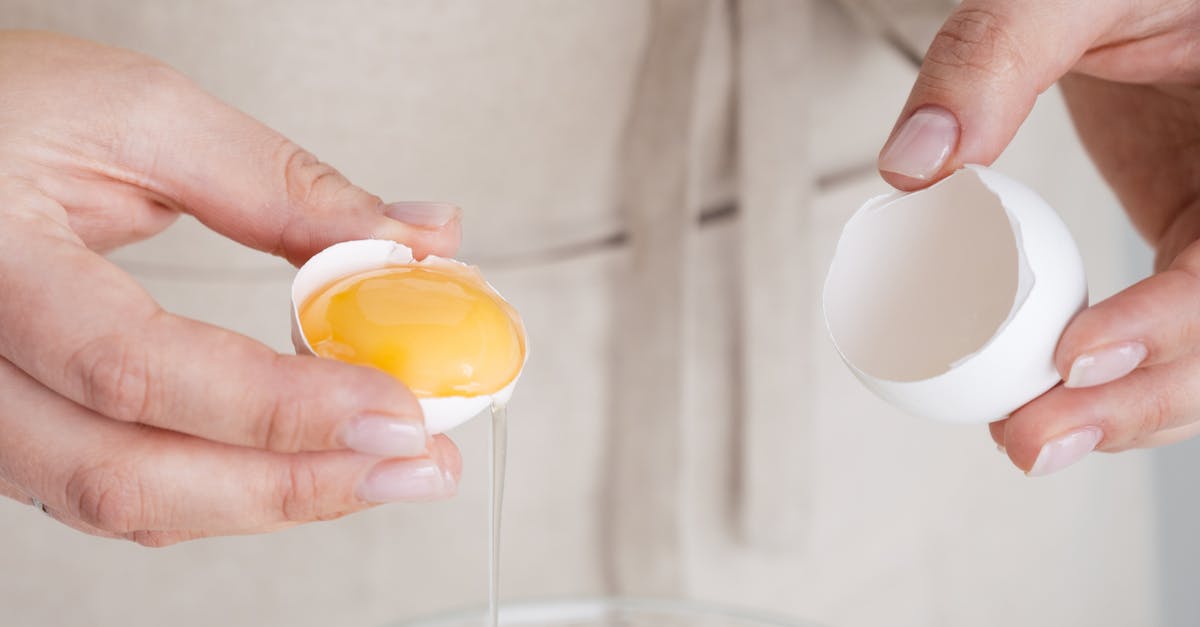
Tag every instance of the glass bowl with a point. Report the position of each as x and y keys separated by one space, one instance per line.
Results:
x=609 y=612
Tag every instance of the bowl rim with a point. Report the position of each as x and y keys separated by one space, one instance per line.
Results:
x=536 y=611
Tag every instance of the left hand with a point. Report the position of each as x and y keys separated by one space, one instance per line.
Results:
x=124 y=420
x=1131 y=363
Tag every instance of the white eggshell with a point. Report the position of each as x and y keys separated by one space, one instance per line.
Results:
x=347 y=258
x=949 y=302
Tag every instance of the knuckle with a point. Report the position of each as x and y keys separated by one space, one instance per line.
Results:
x=153 y=539
x=159 y=91
x=155 y=76
x=19 y=193
x=309 y=181
x=312 y=188
x=298 y=492
x=151 y=85
x=282 y=429
x=115 y=376
x=1156 y=416
x=978 y=40
x=107 y=496
x=329 y=516
x=1186 y=274
x=148 y=82
x=1186 y=59
x=24 y=206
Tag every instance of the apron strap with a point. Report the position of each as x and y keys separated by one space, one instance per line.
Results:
x=776 y=279
x=642 y=547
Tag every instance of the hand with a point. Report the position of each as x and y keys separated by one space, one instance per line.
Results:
x=125 y=420
x=1131 y=363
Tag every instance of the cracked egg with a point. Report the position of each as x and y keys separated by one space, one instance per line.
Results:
x=434 y=324
x=949 y=302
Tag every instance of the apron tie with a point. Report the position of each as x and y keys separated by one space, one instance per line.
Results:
x=642 y=548
x=776 y=278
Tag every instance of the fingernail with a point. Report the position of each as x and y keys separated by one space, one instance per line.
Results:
x=420 y=213
x=406 y=480
x=1065 y=450
x=386 y=436
x=1105 y=365
x=922 y=145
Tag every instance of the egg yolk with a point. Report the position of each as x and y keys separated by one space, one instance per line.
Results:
x=441 y=332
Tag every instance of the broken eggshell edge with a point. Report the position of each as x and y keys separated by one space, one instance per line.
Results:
x=442 y=413
x=1016 y=365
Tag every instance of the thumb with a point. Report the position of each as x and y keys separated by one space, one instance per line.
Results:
x=251 y=184
x=980 y=78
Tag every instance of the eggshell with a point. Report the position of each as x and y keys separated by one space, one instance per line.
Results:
x=347 y=258
x=949 y=302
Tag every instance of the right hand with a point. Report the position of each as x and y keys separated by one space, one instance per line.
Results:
x=1132 y=362
x=125 y=420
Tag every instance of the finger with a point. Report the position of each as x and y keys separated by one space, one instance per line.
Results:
x=1062 y=426
x=161 y=539
x=251 y=184
x=980 y=79
x=148 y=538
x=1138 y=137
x=1155 y=321
x=121 y=479
x=85 y=329
x=79 y=525
x=152 y=538
x=157 y=144
x=13 y=492
x=996 y=430
x=1167 y=437
x=1158 y=45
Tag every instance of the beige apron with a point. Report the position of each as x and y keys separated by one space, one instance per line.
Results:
x=657 y=186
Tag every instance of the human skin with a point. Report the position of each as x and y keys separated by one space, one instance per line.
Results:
x=1130 y=72
x=125 y=420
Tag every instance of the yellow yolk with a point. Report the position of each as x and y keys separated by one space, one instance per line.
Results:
x=441 y=332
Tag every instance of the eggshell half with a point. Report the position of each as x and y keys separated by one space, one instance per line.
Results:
x=949 y=302
x=347 y=258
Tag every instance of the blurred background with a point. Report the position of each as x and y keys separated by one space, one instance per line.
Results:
x=607 y=155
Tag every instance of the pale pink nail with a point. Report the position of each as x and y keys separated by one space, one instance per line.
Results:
x=1105 y=365
x=387 y=436
x=922 y=145
x=421 y=213
x=1065 y=450
x=406 y=480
